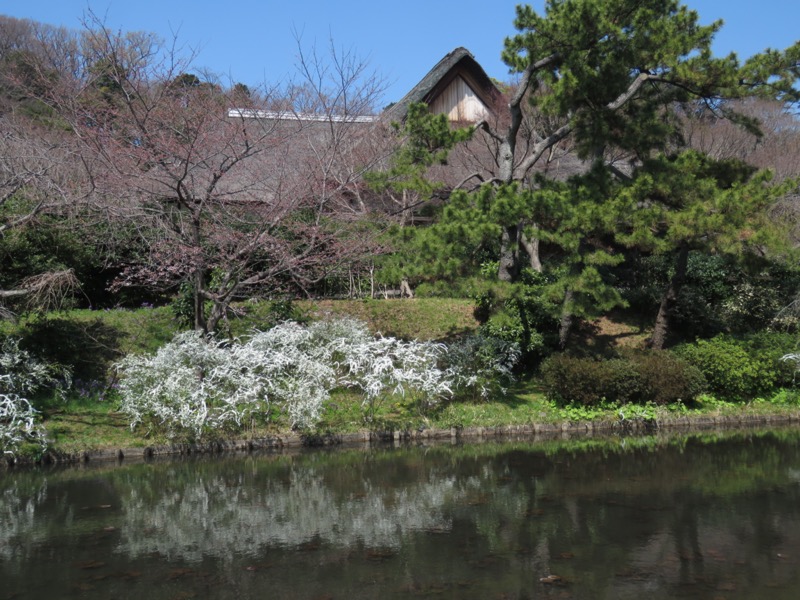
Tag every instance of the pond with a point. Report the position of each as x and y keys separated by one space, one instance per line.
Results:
x=697 y=516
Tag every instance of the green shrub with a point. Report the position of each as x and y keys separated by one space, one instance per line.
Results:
x=649 y=377
x=86 y=348
x=718 y=295
x=281 y=311
x=482 y=365
x=742 y=368
x=589 y=381
x=772 y=346
x=523 y=313
x=667 y=378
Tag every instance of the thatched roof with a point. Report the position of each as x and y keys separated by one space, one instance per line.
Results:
x=459 y=62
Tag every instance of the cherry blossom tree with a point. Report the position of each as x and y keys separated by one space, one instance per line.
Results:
x=236 y=192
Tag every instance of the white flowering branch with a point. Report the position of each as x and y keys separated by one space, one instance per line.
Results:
x=20 y=376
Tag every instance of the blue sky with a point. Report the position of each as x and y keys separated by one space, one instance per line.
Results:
x=254 y=41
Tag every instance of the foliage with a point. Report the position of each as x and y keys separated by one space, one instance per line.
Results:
x=182 y=305
x=86 y=349
x=589 y=381
x=460 y=241
x=195 y=385
x=589 y=53
x=657 y=378
x=666 y=378
x=481 y=365
x=280 y=311
x=383 y=367
x=607 y=76
x=676 y=204
x=462 y=244
x=426 y=140
x=742 y=368
x=719 y=294
x=692 y=200
x=523 y=313
x=22 y=375
x=787 y=397
x=573 y=219
x=78 y=242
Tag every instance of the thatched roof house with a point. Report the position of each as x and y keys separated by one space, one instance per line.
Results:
x=457 y=86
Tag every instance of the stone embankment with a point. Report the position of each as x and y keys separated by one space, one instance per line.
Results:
x=539 y=431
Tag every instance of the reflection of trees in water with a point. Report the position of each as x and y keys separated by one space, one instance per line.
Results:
x=673 y=519
x=210 y=517
x=18 y=520
x=35 y=509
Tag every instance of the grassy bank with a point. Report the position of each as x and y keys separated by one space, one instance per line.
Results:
x=88 y=420
x=81 y=425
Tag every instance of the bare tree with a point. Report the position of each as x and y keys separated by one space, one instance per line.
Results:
x=232 y=197
x=774 y=142
x=37 y=177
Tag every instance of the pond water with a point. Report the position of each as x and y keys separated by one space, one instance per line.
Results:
x=705 y=516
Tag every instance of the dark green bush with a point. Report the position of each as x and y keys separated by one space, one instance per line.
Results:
x=86 y=348
x=742 y=368
x=523 y=313
x=589 y=381
x=657 y=377
x=667 y=378
x=283 y=310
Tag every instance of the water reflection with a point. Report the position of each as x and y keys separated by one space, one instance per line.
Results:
x=201 y=514
x=690 y=517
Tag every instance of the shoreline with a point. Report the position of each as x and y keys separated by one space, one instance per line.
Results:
x=368 y=439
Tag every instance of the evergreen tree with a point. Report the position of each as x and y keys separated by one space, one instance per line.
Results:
x=612 y=74
x=688 y=202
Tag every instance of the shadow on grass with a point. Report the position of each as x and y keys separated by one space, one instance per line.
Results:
x=606 y=335
x=520 y=396
x=87 y=348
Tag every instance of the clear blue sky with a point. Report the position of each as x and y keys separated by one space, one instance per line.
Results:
x=253 y=41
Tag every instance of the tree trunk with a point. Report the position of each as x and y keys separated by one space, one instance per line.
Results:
x=509 y=253
x=567 y=318
x=669 y=299
x=531 y=246
x=405 y=289
x=200 y=323
x=371 y=280
x=510 y=237
x=404 y=215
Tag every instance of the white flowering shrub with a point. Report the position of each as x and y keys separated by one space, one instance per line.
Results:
x=190 y=384
x=294 y=367
x=21 y=375
x=195 y=385
x=385 y=367
x=17 y=423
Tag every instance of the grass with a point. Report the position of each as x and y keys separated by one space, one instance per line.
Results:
x=79 y=427
x=407 y=319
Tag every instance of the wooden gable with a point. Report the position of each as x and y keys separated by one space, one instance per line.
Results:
x=457 y=86
x=459 y=102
